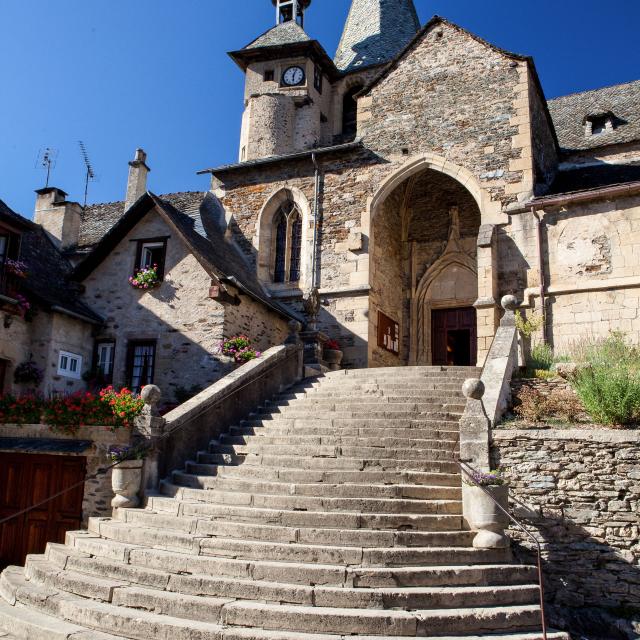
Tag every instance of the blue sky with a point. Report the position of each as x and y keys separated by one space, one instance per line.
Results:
x=119 y=74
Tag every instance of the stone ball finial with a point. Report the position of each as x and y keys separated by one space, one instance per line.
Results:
x=509 y=303
x=473 y=388
x=151 y=394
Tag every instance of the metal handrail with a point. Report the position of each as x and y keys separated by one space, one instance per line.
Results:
x=468 y=470
x=133 y=453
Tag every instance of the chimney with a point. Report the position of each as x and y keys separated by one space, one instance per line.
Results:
x=137 y=182
x=58 y=217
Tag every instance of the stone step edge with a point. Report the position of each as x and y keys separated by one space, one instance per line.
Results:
x=407 y=623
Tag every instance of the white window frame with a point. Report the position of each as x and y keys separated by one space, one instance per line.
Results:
x=110 y=348
x=148 y=247
x=66 y=368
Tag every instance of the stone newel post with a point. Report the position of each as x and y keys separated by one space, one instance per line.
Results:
x=148 y=431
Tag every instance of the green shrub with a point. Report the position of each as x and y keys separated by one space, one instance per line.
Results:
x=608 y=380
x=541 y=357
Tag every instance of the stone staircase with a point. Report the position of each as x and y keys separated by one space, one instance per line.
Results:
x=334 y=512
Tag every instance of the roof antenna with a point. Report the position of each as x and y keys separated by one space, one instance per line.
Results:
x=90 y=172
x=47 y=158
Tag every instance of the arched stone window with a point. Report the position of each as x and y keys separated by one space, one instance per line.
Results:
x=287 y=250
x=350 y=113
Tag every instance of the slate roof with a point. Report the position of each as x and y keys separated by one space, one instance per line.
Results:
x=375 y=32
x=284 y=33
x=49 y=271
x=569 y=113
x=594 y=177
x=97 y=219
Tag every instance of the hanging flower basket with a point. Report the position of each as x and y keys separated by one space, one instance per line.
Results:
x=28 y=373
x=145 y=278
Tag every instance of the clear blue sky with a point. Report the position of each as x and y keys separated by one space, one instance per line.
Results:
x=119 y=74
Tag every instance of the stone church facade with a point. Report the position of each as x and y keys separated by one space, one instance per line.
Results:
x=412 y=181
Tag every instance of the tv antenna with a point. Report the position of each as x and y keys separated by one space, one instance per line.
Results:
x=47 y=158
x=90 y=175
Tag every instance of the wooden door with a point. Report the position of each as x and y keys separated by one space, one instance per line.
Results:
x=454 y=337
x=26 y=480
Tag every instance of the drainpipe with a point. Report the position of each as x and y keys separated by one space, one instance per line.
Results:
x=316 y=195
x=543 y=284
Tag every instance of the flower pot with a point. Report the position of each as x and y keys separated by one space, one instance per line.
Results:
x=333 y=358
x=485 y=517
x=126 y=479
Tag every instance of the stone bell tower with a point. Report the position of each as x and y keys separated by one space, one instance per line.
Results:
x=288 y=80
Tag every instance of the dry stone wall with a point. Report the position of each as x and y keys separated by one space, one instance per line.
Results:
x=587 y=484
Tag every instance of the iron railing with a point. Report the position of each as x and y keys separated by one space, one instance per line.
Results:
x=469 y=472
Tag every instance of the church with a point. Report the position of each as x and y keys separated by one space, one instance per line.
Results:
x=407 y=183
x=398 y=203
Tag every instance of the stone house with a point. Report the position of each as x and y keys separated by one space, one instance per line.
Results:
x=412 y=180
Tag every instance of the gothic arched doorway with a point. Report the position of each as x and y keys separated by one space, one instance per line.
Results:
x=424 y=273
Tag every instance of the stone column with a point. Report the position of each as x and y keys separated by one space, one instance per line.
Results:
x=149 y=428
x=488 y=310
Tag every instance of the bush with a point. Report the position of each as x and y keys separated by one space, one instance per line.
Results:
x=541 y=357
x=530 y=405
x=123 y=405
x=68 y=413
x=608 y=380
x=534 y=406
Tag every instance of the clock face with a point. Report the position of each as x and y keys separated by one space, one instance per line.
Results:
x=293 y=76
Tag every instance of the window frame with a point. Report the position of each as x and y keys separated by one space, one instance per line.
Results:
x=107 y=377
x=161 y=243
x=66 y=371
x=269 y=75
x=131 y=348
x=317 y=78
x=291 y=244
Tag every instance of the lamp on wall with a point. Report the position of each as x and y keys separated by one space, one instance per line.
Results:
x=8 y=320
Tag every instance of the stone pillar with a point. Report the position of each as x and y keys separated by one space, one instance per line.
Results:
x=148 y=431
x=488 y=310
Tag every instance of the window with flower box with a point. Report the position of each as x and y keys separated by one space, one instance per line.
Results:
x=151 y=252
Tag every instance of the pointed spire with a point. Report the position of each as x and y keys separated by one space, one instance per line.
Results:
x=375 y=32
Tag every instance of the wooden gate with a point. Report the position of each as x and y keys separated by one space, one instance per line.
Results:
x=26 y=480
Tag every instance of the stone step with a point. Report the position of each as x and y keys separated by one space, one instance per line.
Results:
x=323 y=463
x=332 y=537
x=286 y=428
x=263 y=515
x=338 y=441
x=345 y=490
x=362 y=505
x=308 y=476
x=161 y=568
x=206 y=608
x=367 y=411
x=199 y=620
x=437 y=396
x=413 y=371
x=260 y=447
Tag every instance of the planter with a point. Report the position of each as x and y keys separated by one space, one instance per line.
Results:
x=485 y=517
x=333 y=358
x=126 y=479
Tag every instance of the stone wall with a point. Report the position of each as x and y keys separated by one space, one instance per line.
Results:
x=97 y=491
x=587 y=484
x=42 y=339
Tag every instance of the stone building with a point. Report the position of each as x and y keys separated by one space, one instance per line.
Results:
x=413 y=180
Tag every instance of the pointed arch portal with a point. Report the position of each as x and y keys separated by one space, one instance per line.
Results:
x=424 y=273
